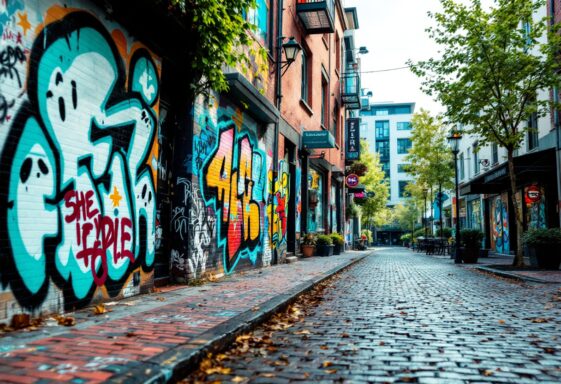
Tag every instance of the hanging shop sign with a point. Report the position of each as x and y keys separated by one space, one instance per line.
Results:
x=533 y=194
x=351 y=180
x=318 y=139
x=353 y=139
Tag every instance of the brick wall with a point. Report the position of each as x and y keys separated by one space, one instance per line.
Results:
x=78 y=128
x=226 y=193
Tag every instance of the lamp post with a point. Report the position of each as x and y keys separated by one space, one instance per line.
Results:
x=454 y=142
x=425 y=212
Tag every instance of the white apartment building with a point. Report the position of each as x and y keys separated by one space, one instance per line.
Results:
x=387 y=128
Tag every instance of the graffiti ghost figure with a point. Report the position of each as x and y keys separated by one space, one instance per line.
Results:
x=87 y=175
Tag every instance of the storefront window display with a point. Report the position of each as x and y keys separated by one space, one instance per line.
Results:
x=315 y=203
x=474 y=214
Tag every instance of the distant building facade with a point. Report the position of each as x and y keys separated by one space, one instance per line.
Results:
x=387 y=128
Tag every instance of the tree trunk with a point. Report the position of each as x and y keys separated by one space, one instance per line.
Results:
x=518 y=257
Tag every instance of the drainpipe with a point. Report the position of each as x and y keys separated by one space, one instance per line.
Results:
x=278 y=99
x=556 y=125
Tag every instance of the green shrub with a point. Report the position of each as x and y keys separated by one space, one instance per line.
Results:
x=419 y=232
x=471 y=238
x=406 y=238
x=324 y=240
x=446 y=232
x=542 y=236
x=309 y=239
x=337 y=238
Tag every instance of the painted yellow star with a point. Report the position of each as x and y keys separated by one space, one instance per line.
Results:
x=24 y=23
x=115 y=197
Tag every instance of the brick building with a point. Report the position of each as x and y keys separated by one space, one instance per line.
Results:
x=113 y=181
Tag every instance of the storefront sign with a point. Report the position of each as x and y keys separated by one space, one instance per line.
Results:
x=351 y=180
x=353 y=139
x=318 y=139
x=533 y=194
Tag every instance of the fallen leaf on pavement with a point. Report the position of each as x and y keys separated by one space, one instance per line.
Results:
x=501 y=321
x=302 y=332
x=99 y=309
x=344 y=335
x=326 y=364
x=331 y=371
x=540 y=320
x=219 y=370
x=238 y=379
x=324 y=347
x=21 y=320
x=487 y=373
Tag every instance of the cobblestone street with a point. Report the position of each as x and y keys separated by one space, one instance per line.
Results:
x=399 y=316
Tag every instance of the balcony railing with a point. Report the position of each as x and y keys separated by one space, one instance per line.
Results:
x=350 y=93
x=317 y=15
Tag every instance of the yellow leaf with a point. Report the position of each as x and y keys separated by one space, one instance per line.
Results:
x=331 y=371
x=302 y=332
x=324 y=347
x=344 y=335
x=501 y=321
x=238 y=379
x=540 y=320
x=267 y=374
x=219 y=370
x=326 y=364
x=99 y=309
x=487 y=372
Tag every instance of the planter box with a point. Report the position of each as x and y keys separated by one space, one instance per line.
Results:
x=324 y=250
x=337 y=249
x=544 y=256
x=470 y=255
x=307 y=250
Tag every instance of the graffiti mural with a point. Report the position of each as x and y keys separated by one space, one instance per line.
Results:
x=534 y=198
x=233 y=184
x=78 y=202
x=500 y=239
x=278 y=210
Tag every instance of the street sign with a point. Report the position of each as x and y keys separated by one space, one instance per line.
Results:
x=533 y=194
x=353 y=139
x=351 y=180
x=318 y=139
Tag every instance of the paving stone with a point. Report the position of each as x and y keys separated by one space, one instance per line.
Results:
x=411 y=317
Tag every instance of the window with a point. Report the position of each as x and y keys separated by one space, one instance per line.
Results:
x=402 y=191
x=382 y=130
x=324 y=100
x=337 y=53
x=386 y=168
x=532 y=140
x=461 y=166
x=402 y=168
x=403 y=126
x=494 y=153
x=383 y=148
x=403 y=146
x=305 y=86
x=334 y=124
x=475 y=158
x=259 y=16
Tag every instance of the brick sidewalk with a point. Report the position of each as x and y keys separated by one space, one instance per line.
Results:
x=152 y=337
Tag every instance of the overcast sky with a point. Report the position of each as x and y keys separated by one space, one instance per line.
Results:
x=394 y=31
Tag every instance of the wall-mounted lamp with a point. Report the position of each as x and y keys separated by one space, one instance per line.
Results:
x=291 y=50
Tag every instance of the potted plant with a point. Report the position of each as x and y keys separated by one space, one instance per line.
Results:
x=338 y=243
x=543 y=247
x=406 y=239
x=324 y=245
x=308 y=244
x=471 y=242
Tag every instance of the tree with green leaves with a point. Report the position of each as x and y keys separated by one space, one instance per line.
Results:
x=430 y=158
x=372 y=208
x=406 y=215
x=219 y=36
x=493 y=63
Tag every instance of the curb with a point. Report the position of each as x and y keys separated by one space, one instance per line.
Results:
x=514 y=276
x=178 y=361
